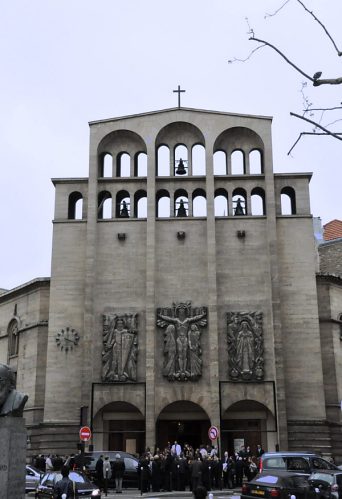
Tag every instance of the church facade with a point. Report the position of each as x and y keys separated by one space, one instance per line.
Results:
x=183 y=295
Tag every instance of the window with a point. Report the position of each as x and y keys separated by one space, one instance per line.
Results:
x=107 y=166
x=163 y=161
x=199 y=203
x=163 y=204
x=220 y=163
x=198 y=160
x=140 y=204
x=123 y=167
x=237 y=163
x=274 y=463
x=239 y=202
x=181 y=160
x=75 y=206
x=221 y=203
x=104 y=207
x=123 y=205
x=297 y=464
x=181 y=206
x=255 y=162
x=288 y=201
x=140 y=167
x=258 y=201
x=13 y=338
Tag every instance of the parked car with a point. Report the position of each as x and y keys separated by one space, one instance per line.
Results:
x=33 y=476
x=83 y=485
x=303 y=462
x=277 y=485
x=327 y=484
x=130 y=478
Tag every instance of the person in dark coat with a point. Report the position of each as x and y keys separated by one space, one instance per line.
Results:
x=156 y=478
x=239 y=467
x=118 y=468
x=65 y=486
x=99 y=472
x=144 y=468
x=196 y=473
x=168 y=471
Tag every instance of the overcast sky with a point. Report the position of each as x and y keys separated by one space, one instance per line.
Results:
x=67 y=62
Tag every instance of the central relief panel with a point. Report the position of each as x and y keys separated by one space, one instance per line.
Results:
x=182 y=340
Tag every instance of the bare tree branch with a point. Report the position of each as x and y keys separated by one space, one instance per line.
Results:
x=321 y=109
x=339 y=53
x=284 y=57
x=278 y=10
x=330 y=81
x=235 y=59
x=307 y=133
x=336 y=135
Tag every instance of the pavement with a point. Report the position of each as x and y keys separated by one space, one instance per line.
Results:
x=135 y=494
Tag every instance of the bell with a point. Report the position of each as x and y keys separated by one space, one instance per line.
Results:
x=180 y=169
x=238 y=209
x=181 y=212
x=124 y=210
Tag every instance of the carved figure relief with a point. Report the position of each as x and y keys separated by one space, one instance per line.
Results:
x=245 y=346
x=182 y=340
x=120 y=347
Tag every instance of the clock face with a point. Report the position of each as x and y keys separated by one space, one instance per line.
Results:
x=67 y=338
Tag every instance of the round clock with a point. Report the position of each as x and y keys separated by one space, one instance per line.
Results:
x=67 y=338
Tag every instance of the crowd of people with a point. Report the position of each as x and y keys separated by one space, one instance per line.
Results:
x=177 y=468
x=173 y=468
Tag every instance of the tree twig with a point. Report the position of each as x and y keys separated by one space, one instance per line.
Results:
x=321 y=109
x=230 y=61
x=339 y=53
x=336 y=135
x=307 y=133
x=284 y=57
x=276 y=12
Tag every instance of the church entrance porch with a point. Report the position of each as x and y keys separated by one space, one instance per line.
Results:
x=183 y=421
x=119 y=426
x=248 y=423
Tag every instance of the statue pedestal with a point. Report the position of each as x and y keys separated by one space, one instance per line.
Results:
x=12 y=457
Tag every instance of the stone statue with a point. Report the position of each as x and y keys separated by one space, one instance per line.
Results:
x=120 y=347
x=245 y=346
x=182 y=348
x=12 y=403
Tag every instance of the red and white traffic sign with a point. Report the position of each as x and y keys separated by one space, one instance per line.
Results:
x=213 y=432
x=85 y=433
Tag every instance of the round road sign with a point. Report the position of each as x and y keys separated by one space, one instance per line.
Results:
x=213 y=432
x=85 y=433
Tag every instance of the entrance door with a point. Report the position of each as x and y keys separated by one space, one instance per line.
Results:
x=185 y=422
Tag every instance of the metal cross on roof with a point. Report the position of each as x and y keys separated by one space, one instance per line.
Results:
x=179 y=91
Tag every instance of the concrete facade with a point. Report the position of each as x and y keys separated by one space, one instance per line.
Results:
x=261 y=261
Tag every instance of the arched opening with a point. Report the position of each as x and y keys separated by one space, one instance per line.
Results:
x=75 y=206
x=123 y=165
x=258 y=206
x=199 y=203
x=163 y=161
x=181 y=160
x=237 y=159
x=13 y=338
x=181 y=204
x=288 y=201
x=221 y=203
x=220 y=163
x=104 y=206
x=198 y=160
x=140 y=164
x=122 y=205
x=248 y=423
x=185 y=422
x=140 y=204
x=256 y=162
x=119 y=426
x=107 y=166
x=163 y=204
x=239 y=202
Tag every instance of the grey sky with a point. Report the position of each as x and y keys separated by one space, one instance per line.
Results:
x=65 y=63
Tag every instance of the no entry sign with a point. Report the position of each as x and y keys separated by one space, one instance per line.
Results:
x=213 y=432
x=85 y=433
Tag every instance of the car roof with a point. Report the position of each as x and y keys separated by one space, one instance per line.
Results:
x=288 y=453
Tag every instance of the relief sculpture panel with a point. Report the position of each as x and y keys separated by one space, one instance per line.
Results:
x=245 y=346
x=182 y=340
x=120 y=347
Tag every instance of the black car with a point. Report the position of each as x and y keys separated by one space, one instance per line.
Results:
x=302 y=462
x=83 y=485
x=277 y=485
x=130 y=478
x=327 y=484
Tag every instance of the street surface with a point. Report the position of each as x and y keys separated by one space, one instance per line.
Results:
x=135 y=494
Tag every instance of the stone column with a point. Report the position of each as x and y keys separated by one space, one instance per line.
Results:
x=150 y=301
x=12 y=457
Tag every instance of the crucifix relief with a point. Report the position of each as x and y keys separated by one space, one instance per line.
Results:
x=182 y=340
x=179 y=91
